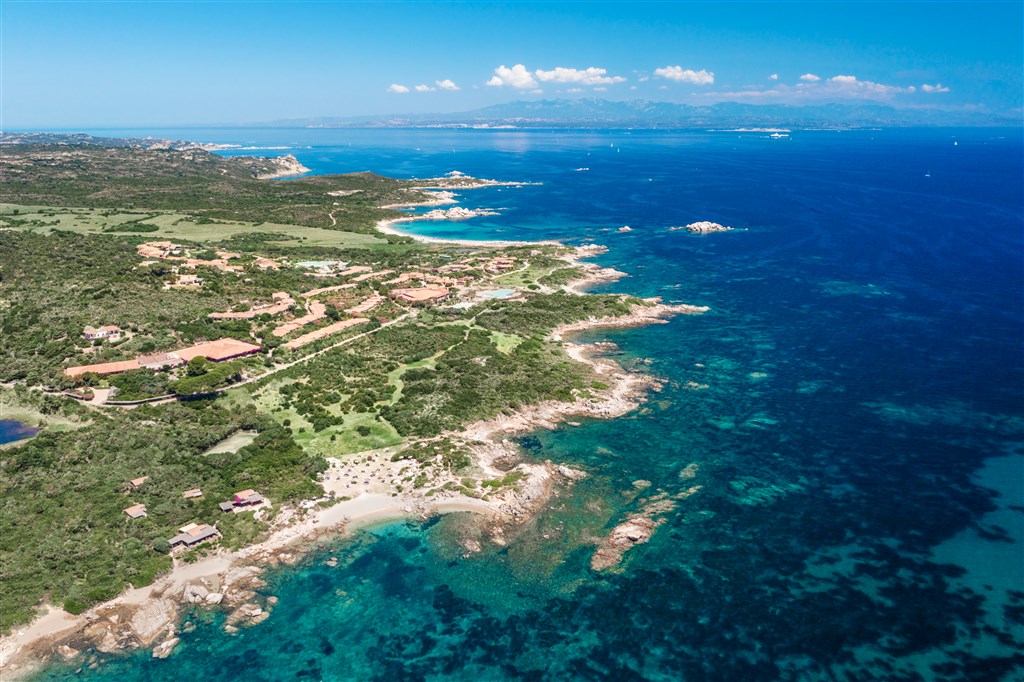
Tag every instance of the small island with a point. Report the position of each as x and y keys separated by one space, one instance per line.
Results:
x=702 y=227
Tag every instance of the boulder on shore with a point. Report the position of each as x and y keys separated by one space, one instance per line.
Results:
x=152 y=618
x=163 y=650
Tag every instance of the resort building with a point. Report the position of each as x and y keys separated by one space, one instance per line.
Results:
x=136 y=482
x=159 y=249
x=193 y=493
x=107 y=332
x=242 y=500
x=420 y=295
x=219 y=263
x=217 y=351
x=136 y=511
x=187 y=281
x=282 y=302
x=192 y=534
x=264 y=263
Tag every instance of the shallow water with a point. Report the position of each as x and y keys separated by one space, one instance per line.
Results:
x=857 y=442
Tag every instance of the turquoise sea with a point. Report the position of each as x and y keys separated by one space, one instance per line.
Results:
x=858 y=442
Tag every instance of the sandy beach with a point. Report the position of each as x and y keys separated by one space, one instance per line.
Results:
x=388 y=227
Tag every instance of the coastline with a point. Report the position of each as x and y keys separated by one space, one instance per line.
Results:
x=442 y=195
x=148 y=617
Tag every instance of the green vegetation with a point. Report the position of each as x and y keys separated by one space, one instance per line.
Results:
x=542 y=313
x=62 y=495
x=210 y=187
x=445 y=452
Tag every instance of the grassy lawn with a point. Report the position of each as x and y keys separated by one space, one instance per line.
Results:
x=334 y=441
x=506 y=343
x=395 y=376
x=233 y=443
x=173 y=226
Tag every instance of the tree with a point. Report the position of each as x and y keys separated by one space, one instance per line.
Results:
x=197 y=366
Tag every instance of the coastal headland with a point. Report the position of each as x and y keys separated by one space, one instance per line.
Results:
x=370 y=454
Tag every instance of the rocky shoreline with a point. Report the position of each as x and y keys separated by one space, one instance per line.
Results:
x=273 y=167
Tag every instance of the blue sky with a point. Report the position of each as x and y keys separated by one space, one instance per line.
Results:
x=67 y=64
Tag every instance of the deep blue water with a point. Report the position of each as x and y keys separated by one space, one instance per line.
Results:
x=859 y=442
x=11 y=431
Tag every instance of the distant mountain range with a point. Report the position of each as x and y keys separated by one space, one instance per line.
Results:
x=600 y=113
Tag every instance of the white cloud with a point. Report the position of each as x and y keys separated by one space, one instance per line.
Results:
x=395 y=87
x=938 y=87
x=810 y=78
x=601 y=89
x=423 y=88
x=520 y=78
x=773 y=77
x=589 y=76
x=447 y=84
x=853 y=83
x=679 y=74
x=841 y=87
x=574 y=91
x=517 y=77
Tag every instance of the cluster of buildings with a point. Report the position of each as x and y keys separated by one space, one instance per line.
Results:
x=160 y=250
x=192 y=534
x=438 y=288
x=164 y=250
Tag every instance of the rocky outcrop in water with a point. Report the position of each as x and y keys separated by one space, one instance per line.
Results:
x=634 y=531
x=703 y=227
x=456 y=213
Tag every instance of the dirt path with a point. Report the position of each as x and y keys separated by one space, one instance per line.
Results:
x=306 y=358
